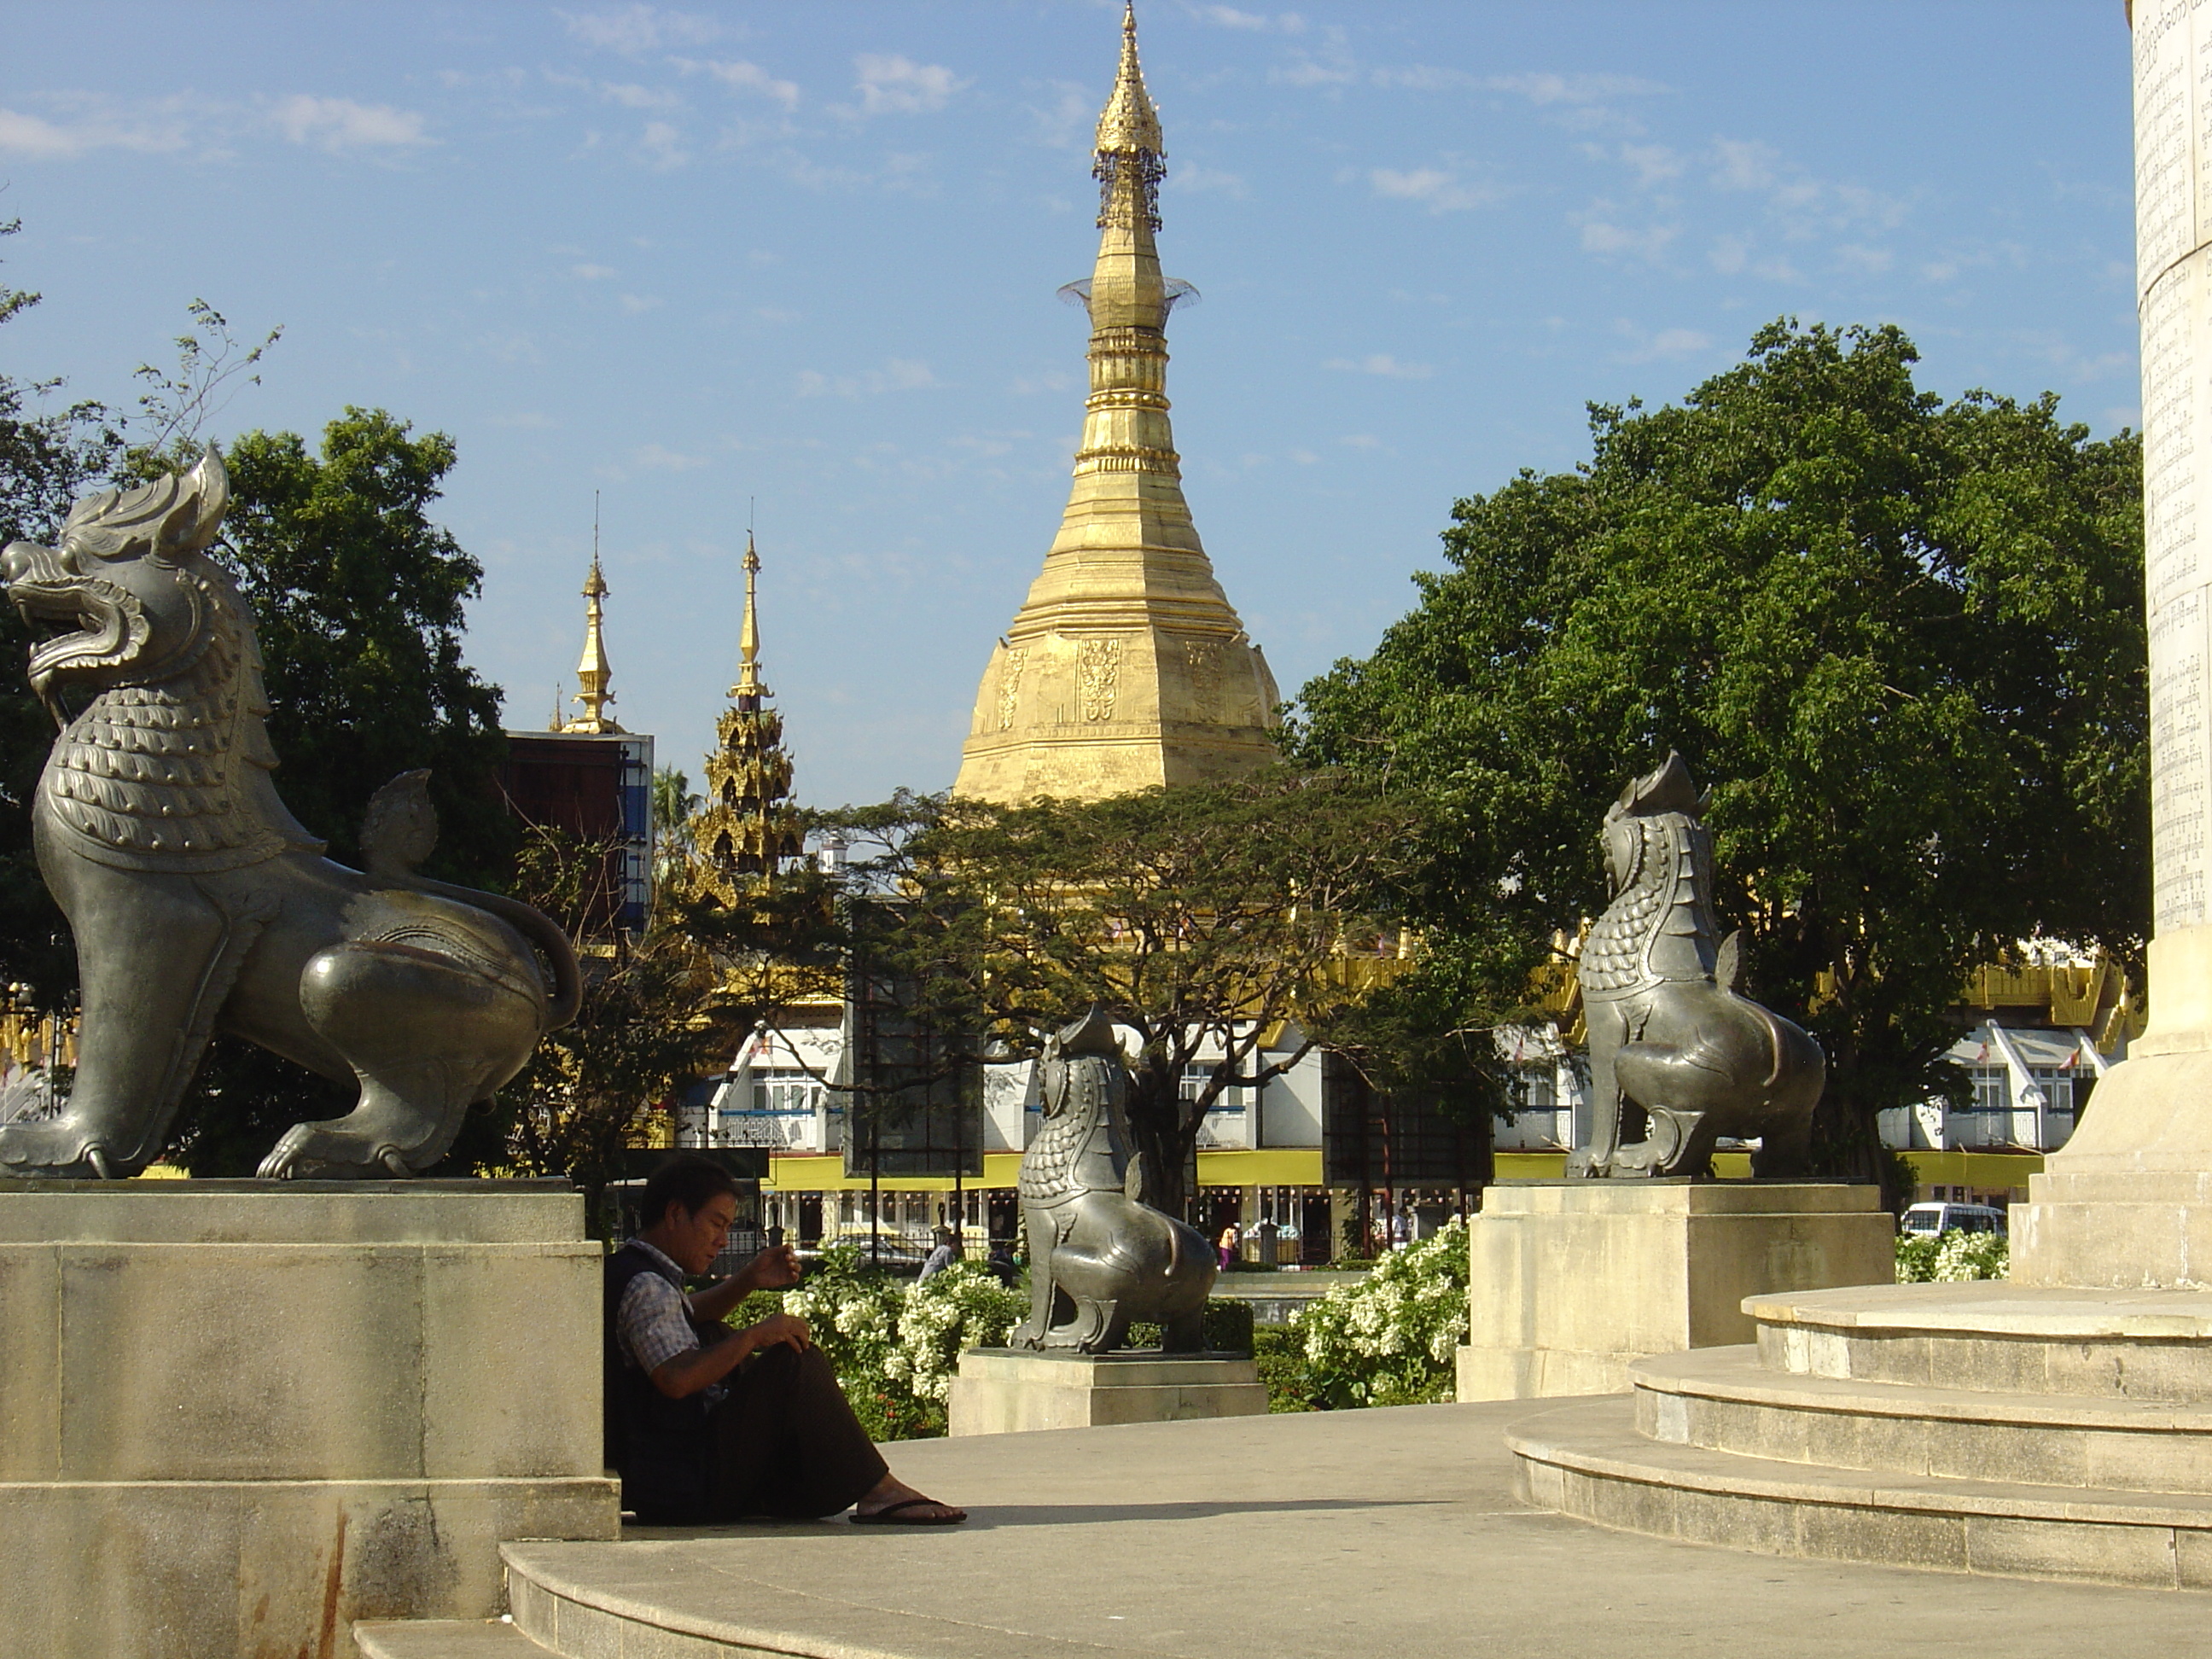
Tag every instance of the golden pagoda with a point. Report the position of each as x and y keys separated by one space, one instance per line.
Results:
x=1126 y=667
x=748 y=826
x=592 y=674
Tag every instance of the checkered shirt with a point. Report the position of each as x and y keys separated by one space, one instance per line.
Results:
x=651 y=1323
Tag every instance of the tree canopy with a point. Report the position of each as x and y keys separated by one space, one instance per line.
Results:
x=1901 y=638
x=1203 y=917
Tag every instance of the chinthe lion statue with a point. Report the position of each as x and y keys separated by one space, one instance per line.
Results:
x=199 y=904
x=1099 y=1255
x=1676 y=1047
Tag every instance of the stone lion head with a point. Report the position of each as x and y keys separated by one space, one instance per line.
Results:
x=110 y=595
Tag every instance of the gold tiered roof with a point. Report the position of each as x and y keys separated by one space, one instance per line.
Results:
x=749 y=825
x=594 y=676
x=1126 y=666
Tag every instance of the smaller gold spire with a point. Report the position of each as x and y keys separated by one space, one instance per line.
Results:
x=748 y=680
x=592 y=674
x=748 y=828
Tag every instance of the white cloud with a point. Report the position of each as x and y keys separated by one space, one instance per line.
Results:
x=1871 y=260
x=1600 y=235
x=33 y=136
x=1667 y=343
x=640 y=28
x=1544 y=89
x=1441 y=192
x=662 y=146
x=636 y=305
x=896 y=374
x=631 y=96
x=1228 y=17
x=1360 y=440
x=1730 y=254
x=337 y=124
x=742 y=77
x=592 y=273
x=1652 y=162
x=896 y=85
x=1743 y=164
x=1217 y=180
x=1382 y=363
x=657 y=457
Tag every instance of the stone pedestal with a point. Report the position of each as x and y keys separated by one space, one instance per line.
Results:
x=1569 y=1281
x=235 y=1416
x=1009 y=1390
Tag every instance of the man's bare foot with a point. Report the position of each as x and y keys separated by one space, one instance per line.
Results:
x=913 y=1508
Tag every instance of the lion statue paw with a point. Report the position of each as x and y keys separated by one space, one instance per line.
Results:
x=326 y=1151
x=57 y=1149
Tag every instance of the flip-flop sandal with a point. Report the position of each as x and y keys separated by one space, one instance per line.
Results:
x=890 y=1515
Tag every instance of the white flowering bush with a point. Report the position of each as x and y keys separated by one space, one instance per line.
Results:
x=1952 y=1255
x=1389 y=1339
x=896 y=1344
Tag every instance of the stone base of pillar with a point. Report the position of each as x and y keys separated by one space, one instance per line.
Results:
x=236 y=1416
x=1010 y=1390
x=2126 y=1204
x=1569 y=1281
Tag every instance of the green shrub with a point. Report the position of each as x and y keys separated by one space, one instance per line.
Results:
x=1953 y=1255
x=1227 y=1327
x=895 y=1343
x=1280 y=1353
x=1391 y=1340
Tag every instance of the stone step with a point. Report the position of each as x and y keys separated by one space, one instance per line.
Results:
x=1724 y=1400
x=1994 y=1337
x=443 y=1639
x=1587 y=1460
x=650 y=1600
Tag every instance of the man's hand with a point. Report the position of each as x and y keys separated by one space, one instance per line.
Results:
x=779 y=1328
x=775 y=1268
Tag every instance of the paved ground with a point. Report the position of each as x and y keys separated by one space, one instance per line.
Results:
x=1387 y=1533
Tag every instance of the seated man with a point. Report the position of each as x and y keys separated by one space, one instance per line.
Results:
x=707 y=1424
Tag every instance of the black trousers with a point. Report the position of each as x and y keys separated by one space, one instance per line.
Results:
x=786 y=1444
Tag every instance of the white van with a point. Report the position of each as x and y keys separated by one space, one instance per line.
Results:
x=1943 y=1217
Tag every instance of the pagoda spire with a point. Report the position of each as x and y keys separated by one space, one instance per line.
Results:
x=1127 y=667
x=748 y=680
x=748 y=826
x=592 y=674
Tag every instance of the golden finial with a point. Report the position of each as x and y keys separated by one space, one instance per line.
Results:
x=1130 y=122
x=749 y=680
x=593 y=673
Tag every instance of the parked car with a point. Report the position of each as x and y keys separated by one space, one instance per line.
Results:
x=1944 y=1217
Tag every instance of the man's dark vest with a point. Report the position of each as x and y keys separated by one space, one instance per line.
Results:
x=661 y=1447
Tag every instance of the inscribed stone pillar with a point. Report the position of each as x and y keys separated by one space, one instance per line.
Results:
x=2129 y=1201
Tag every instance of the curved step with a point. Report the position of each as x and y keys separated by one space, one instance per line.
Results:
x=1587 y=1460
x=443 y=1639
x=1996 y=1337
x=1724 y=1400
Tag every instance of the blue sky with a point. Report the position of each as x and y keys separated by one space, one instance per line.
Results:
x=806 y=255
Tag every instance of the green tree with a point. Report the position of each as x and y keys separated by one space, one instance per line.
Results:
x=51 y=452
x=1203 y=917
x=1902 y=638
x=358 y=599
x=662 y=1007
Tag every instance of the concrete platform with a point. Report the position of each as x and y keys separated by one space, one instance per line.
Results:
x=1292 y=1537
x=1019 y=1391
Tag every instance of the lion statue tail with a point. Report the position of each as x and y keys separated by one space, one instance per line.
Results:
x=397 y=833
